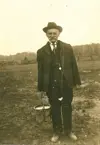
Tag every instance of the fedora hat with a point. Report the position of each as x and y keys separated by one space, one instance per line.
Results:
x=52 y=25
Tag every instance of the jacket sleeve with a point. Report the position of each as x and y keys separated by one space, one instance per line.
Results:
x=40 y=70
x=75 y=71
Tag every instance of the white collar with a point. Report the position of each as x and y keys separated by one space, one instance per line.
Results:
x=55 y=43
x=52 y=45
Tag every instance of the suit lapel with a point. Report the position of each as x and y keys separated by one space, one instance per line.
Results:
x=47 y=49
x=62 y=54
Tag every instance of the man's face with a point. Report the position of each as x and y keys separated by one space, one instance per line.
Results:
x=53 y=34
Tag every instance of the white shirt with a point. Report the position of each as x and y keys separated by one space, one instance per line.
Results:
x=52 y=45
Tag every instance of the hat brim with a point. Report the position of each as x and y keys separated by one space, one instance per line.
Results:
x=53 y=27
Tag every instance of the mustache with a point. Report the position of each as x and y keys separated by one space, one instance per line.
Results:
x=53 y=38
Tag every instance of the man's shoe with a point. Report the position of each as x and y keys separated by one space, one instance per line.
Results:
x=55 y=138
x=72 y=136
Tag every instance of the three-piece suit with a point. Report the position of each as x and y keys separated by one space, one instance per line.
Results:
x=57 y=75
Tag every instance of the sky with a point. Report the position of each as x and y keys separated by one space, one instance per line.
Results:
x=22 y=21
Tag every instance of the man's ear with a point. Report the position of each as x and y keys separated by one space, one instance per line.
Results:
x=46 y=34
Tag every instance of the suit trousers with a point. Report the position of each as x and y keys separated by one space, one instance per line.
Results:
x=61 y=111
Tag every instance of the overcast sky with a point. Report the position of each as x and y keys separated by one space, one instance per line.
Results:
x=21 y=23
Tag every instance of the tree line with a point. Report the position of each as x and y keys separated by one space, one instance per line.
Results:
x=88 y=51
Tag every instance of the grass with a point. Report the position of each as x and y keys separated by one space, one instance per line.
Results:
x=17 y=99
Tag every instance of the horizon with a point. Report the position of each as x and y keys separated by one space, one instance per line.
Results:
x=36 y=52
x=21 y=25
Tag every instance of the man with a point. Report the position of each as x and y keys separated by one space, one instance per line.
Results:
x=57 y=75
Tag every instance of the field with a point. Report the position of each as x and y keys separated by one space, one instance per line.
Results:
x=18 y=123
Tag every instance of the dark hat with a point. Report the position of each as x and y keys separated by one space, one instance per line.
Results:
x=52 y=25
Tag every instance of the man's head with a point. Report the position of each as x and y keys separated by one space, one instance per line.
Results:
x=52 y=31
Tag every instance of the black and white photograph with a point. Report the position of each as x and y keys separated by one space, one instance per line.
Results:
x=49 y=72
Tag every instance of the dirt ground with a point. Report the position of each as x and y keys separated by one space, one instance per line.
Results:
x=18 y=119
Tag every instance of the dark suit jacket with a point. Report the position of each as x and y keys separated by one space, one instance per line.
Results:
x=68 y=62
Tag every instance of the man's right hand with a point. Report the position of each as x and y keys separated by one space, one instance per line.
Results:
x=40 y=94
x=44 y=98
